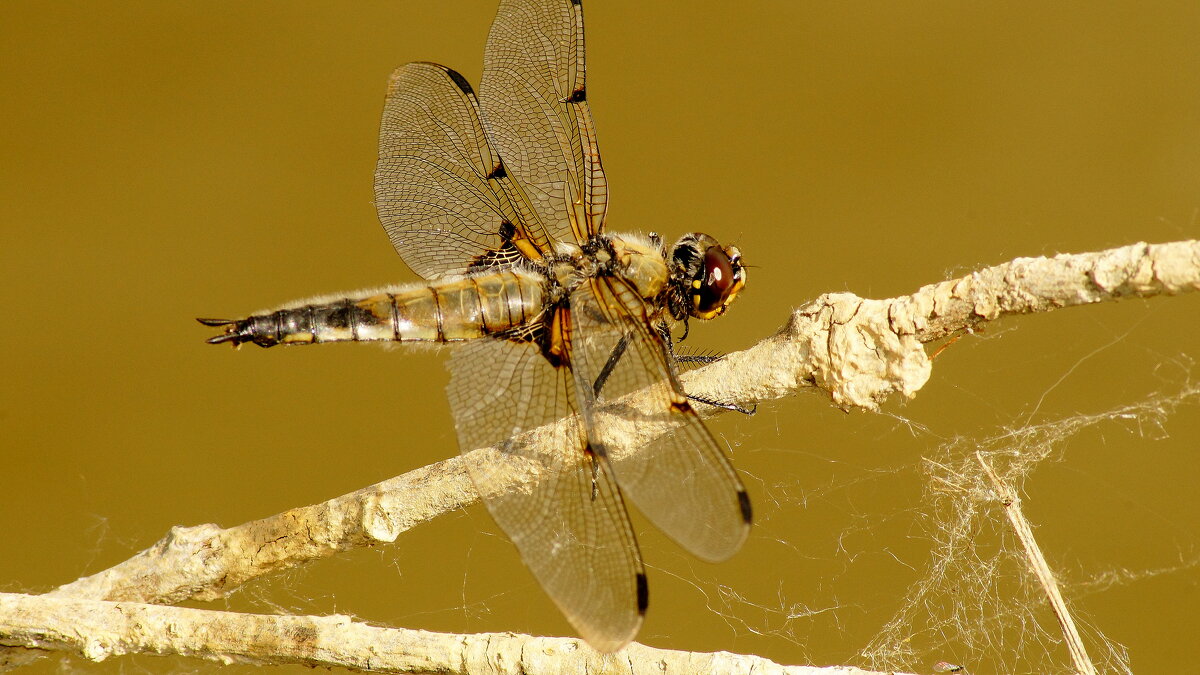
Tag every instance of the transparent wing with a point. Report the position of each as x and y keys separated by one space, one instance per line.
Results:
x=681 y=480
x=557 y=503
x=441 y=190
x=536 y=112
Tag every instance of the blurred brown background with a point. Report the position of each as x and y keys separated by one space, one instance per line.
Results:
x=162 y=161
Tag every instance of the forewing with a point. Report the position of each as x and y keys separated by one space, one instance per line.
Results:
x=680 y=480
x=441 y=190
x=562 y=510
x=535 y=108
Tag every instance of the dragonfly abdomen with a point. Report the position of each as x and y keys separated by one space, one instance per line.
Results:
x=449 y=310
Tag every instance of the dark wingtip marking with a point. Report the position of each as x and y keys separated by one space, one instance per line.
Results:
x=596 y=449
x=681 y=406
x=577 y=2
x=498 y=172
x=215 y=322
x=460 y=81
x=744 y=505
x=578 y=96
x=643 y=593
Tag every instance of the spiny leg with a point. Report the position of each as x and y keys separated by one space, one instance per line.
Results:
x=724 y=406
x=696 y=358
x=699 y=358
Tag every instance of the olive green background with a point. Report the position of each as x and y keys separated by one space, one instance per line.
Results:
x=162 y=161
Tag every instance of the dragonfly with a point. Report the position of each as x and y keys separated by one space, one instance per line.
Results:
x=498 y=200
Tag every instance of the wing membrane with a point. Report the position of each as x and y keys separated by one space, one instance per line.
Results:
x=565 y=514
x=441 y=190
x=535 y=108
x=680 y=480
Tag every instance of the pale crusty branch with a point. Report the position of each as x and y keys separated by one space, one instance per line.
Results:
x=205 y=562
x=98 y=629
x=862 y=351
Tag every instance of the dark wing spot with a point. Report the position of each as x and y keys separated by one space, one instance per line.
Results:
x=744 y=504
x=498 y=172
x=681 y=406
x=522 y=334
x=460 y=82
x=643 y=594
x=504 y=257
x=553 y=359
x=578 y=96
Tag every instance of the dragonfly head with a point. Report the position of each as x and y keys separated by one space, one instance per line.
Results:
x=711 y=274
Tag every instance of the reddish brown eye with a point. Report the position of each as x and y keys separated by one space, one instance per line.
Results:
x=714 y=274
x=716 y=282
x=720 y=279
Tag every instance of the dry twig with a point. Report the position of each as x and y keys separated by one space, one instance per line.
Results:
x=1040 y=568
x=97 y=629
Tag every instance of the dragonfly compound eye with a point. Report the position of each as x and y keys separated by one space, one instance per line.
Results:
x=720 y=277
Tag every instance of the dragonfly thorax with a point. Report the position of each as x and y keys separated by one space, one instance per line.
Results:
x=641 y=261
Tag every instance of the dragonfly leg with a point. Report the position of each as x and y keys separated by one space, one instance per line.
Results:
x=610 y=365
x=683 y=358
x=699 y=358
x=724 y=406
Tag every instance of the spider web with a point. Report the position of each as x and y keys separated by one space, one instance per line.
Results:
x=978 y=596
x=959 y=588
